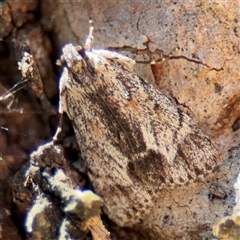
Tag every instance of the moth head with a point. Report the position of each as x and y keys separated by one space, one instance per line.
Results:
x=73 y=58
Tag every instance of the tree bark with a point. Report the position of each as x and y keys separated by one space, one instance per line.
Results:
x=188 y=50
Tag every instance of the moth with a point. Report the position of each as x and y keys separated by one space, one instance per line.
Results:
x=134 y=139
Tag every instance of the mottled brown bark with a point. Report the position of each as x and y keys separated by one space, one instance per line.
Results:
x=194 y=51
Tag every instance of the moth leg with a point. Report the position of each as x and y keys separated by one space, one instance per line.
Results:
x=59 y=129
x=62 y=102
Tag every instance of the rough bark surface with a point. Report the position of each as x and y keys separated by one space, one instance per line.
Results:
x=194 y=46
x=55 y=207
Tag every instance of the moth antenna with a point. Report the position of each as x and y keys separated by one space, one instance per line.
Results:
x=90 y=38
